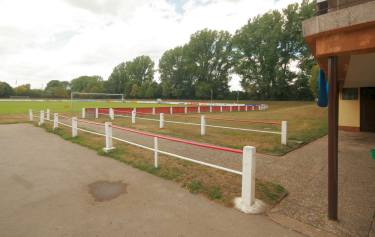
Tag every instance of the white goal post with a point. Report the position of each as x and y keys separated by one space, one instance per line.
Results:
x=72 y=94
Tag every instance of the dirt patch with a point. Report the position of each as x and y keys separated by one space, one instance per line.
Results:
x=105 y=191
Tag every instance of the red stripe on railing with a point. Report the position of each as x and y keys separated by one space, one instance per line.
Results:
x=180 y=140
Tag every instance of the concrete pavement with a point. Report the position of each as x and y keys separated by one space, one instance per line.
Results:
x=46 y=190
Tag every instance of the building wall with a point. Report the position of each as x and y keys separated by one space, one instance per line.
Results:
x=349 y=114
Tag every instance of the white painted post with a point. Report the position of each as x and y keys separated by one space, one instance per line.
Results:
x=133 y=116
x=186 y=109
x=248 y=176
x=252 y=107
x=171 y=110
x=284 y=133
x=74 y=126
x=210 y=108
x=96 y=113
x=83 y=115
x=221 y=108
x=41 y=118
x=199 y=109
x=156 y=155
x=108 y=137
x=111 y=114
x=203 y=125
x=161 y=121
x=238 y=108
x=31 y=116
x=48 y=115
x=55 y=121
x=135 y=109
x=230 y=108
x=246 y=108
x=153 y=111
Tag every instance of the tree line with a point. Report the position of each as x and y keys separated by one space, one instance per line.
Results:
x=268 y=54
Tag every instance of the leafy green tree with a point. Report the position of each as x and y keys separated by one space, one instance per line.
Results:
x=176 y=79
x=209 y=58
x=5 y=90
x=22 y=90
x=132 y=77
x=266 y=49
x=57 y=89
x=88 y=84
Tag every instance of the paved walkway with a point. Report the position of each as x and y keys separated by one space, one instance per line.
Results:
x=303 y=173
x=46 y=186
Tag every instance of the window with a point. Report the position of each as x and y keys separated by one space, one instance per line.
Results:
x=349 y=94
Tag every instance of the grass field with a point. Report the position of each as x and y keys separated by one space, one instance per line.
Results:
x=306 y=122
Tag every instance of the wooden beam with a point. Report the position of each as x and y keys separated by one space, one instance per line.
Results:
x=333 y=137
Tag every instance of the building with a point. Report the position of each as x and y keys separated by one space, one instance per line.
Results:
x=342 y=39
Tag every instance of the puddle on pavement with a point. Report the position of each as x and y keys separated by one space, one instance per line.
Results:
x=105 y=191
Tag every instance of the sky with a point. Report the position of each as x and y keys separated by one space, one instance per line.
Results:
x=43 y=40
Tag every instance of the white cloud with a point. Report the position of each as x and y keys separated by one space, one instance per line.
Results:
x=42 y=40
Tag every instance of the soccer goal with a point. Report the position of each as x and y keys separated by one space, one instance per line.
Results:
x=92 y=97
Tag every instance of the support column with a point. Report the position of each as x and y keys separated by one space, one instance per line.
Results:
x=332 y=137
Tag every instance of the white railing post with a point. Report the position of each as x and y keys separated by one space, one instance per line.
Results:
x=171 y=110
x=153 y=111
x=31 y=116
x=199 y=109
x=74 y=126
x=156 y=155
x=203 y=125
x=284 y=133
x=221 y=108
x=253 y=107
x=246 y=108
x=210 y=108
x=239 y=108
x=55 y=121
x=96 y=113
x=230 y=108
x=161 y=120
x=247 y=202
x=48 y=115
x=108 y=137
x=133 y=116
x=111 y=114
x=186 y=109
x=83 y=115
x=41 y=118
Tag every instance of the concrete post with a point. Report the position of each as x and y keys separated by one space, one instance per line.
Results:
x=96 y=113
x=48 y=115
x=156 y=155
x=171 y=110
x=111 y=114
x=31 y=116
x=203 y=125
x=133 y=116
x=74 y=126
x=284 y=133
x=83 y=115
x=153 y=111
x=248 y=176
x=186 y=109
x=161 y=124
x=108 y=137
x=199 y=109
x=55 y=121
x=41 y=118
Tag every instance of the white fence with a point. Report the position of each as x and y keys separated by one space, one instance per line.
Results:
x=283 y=133
x=246 y=203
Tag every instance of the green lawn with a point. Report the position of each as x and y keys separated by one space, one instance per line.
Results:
x=19 y=107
